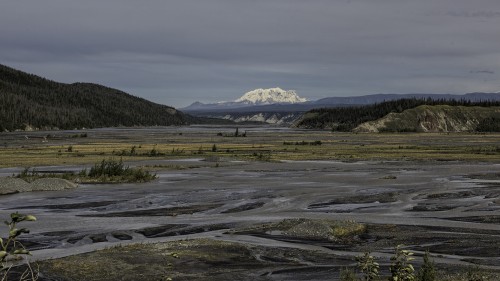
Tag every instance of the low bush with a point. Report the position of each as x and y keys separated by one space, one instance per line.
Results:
x=12 y=249
x=116 y=171
x=105 y=171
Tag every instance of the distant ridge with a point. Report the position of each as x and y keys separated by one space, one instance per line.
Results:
x=302 y=105
x=401 y=116
x=29 y=102
x=437 y=118
x=284 y=114
x=378 y=98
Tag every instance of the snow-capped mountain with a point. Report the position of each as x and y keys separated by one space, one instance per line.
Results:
x=257 y=97
x=270 y=96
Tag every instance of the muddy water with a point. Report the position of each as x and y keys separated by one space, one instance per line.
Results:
x=442 y=205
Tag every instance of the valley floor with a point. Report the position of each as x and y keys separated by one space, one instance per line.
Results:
x=231 y=214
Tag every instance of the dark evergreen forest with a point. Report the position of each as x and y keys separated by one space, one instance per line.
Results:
x=27 y=99
x=345 y=119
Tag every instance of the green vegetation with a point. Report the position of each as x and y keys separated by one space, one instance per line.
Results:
x=437 y=118
x=115 y=171
x=259 y=146
x=27 y=100
x=348 y=274
x=12 y=249
x=428 y=270
x=490 y=124
x=106 y=171
x=344 y=119
x=471 y=273
x=32 y=175
x=154 y=152
x=401 y=267
x=368 y=266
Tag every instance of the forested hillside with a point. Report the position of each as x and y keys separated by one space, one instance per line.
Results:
x=29 y=101
x=347 y=118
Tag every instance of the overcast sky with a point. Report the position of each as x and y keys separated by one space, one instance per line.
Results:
x=176 y=52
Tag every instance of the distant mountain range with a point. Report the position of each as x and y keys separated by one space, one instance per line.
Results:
x=277 y=106
x=378 y=98
x=278 y=100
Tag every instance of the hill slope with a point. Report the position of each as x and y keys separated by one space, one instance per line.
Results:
x=347 y=118
x=437 y=118
x=29 y=101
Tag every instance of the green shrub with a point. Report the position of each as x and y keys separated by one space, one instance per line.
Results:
x=115 y=171
x=428 y=271
x=401 y=267
x=368 y=266
x=108 y=168
x=11 y=248
x=347 y=274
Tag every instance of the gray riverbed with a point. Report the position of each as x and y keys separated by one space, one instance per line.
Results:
x=439 y=199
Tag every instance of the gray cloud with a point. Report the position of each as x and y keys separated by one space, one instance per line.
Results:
x=179 y=51
x=482 y=71
x=476 y=14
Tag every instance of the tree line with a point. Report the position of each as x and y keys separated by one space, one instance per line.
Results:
x=30 y=100
x=345 y=119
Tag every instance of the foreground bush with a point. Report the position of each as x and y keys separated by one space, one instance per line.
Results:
x=401 y=269
x=12 y=249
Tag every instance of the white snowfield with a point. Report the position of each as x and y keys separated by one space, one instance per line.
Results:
x=271 y=96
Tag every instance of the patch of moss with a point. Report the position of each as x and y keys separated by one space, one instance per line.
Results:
x=309 y=229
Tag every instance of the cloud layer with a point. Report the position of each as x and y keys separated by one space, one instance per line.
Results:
x=179 y=51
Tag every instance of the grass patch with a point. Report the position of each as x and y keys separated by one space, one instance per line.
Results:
x=262 y=146
x=467 y=273
x=115 y=171
x=106 y=171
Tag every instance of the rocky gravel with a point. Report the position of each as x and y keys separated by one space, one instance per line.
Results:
x=10 y=185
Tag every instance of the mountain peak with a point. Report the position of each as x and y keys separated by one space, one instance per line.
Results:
x=270 y=96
